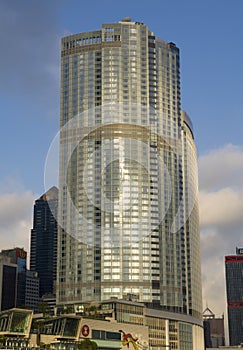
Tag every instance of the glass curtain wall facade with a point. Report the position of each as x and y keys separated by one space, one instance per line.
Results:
x=43 y=243
x=234 y=287
x=128 y=211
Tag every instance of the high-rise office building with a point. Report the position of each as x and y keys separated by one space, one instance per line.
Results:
x=43 y=244
x=234 y=288
x=128 y=209
x=27 y=286
x=8 y=283
x=32 y=290
x=19 y=257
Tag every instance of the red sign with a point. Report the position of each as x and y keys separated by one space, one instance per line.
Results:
x=85 y=330
x=20 y=253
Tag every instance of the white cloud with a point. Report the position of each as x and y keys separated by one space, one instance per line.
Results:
x=16 y=211
x=221 y=207
x=221 y=167
x=221 y=219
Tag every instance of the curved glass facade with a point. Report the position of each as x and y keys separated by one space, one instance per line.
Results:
x=128 y=207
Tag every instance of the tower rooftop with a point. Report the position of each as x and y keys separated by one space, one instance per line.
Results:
x=52 y=193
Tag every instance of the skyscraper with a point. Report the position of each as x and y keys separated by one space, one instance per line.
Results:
x=19 y=257
x=43 y=244
x=8 y=283
x=128 y=209
x=27 y=286
x=234 y=287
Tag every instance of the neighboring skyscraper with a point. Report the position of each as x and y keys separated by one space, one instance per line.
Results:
x=234 y=288
x=8 y=283
x=27 y=287
x=19 y=257
x=32 y=290
x=128 y=209
x=43 y=245
x=213 y=329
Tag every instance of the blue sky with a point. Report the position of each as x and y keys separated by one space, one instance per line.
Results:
x=209 y=34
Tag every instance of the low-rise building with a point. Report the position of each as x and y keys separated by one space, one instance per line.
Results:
x=114 y=324
x=15 y=325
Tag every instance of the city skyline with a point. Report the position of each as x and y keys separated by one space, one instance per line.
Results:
x=219 y=236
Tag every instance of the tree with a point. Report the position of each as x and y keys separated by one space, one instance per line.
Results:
x=43 y=307
x=87 y=344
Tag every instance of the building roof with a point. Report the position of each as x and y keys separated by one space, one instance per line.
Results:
x=207 y=313
x=52 y=193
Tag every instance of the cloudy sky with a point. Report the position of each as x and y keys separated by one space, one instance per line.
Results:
x=209 y=35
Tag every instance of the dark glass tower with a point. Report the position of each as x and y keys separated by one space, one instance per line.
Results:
x=43 y=246
x=234 y=288
x=19 y=257
x=8 y=283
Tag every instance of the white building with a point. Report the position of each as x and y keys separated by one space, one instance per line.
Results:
x=128 y=209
